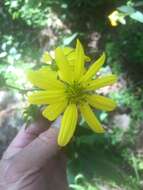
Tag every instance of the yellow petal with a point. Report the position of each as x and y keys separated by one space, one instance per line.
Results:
x=114 y=23
x=47 y=71
x=54 y=110
x=63 y=65
x=90 y=118
x=87 y=58
x=67 y=51
x=71 y=58
x=44 y=72
x=46 y=97
x=101 y=102
x=93 y=68
x=79 y=60
x=114 y=17
x=46 y=58
x=68 y=125
x=101 y=82
x=70 y=53
x=44 y=80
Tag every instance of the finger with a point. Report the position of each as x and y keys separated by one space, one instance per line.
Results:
x=40 y=150
x=56 y=167
x=26 y=135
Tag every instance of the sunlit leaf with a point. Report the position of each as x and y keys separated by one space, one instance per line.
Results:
x=138 y=16
x=126 y=9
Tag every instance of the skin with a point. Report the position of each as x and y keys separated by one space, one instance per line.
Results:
x=33 y=160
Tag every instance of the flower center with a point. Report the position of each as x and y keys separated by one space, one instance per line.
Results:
x=75 y=92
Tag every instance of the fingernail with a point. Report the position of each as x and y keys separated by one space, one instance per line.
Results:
x=57 y=123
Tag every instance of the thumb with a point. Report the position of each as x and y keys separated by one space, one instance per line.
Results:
x=41 y=149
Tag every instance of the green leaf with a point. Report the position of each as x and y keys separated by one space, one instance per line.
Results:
x=76 y=187
x=126 y=9
x=138 y=16
x=103 y=116
x=140 y=165
x=67 y=41
x=14 y=4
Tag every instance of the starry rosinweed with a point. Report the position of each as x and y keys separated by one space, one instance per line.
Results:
x=71 y=90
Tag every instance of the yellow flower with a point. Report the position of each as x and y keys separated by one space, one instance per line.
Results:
x=68 y=52
x=70 y=91
x=117 y=17
x=46 y=58
x=113 y=17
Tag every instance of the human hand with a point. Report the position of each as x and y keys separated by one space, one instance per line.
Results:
x=33 y=161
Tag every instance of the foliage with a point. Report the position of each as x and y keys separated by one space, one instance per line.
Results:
x=129 y=10
x=31 y=12
x=132 y=43
x=125 y=11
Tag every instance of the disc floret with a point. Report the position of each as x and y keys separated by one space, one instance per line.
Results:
x=75 y=92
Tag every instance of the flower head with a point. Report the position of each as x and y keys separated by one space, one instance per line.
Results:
x=71 y=90
x=117 y=17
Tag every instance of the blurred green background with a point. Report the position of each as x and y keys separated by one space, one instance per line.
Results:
x=113 y=161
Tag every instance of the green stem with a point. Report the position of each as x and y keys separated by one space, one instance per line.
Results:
x=23 y=91
x=135 y=168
